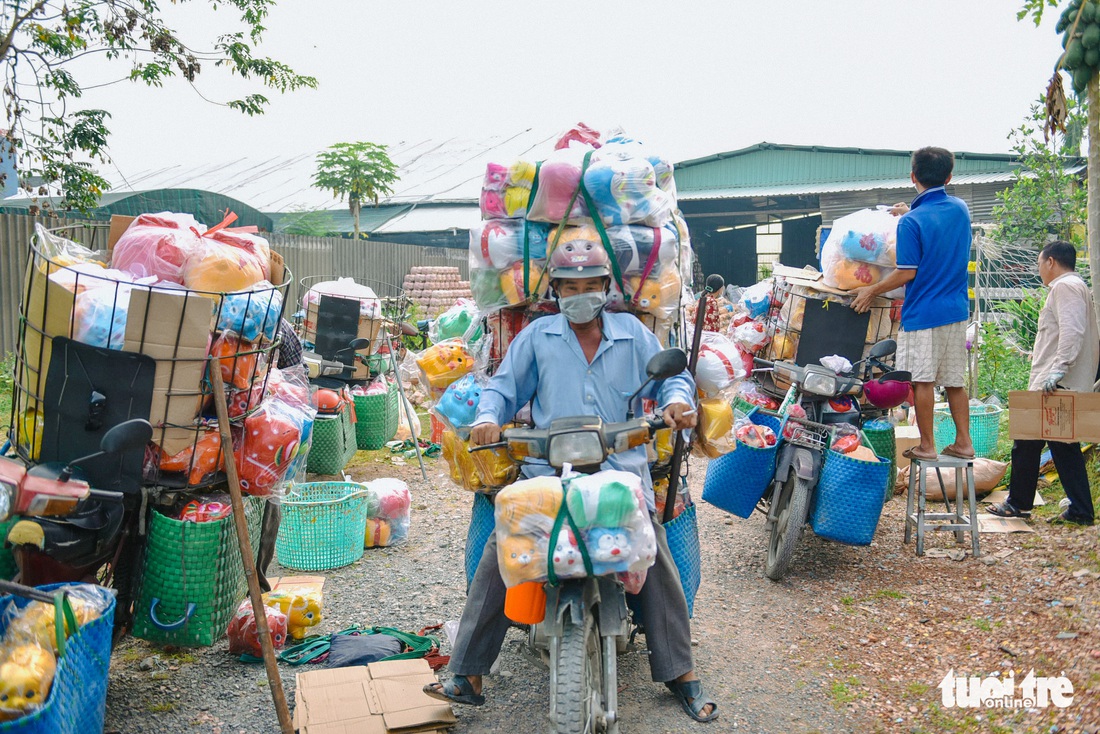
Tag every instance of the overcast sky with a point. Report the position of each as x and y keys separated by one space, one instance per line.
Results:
x=689 y=77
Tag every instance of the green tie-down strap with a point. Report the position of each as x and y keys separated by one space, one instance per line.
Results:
x=313 y=647
x=597 y=220
x=564 y=516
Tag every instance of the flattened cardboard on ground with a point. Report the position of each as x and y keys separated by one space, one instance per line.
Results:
x=380 y=698
x=297 y=583
x=993 y=524
x=1061 y=416
x=173 y=327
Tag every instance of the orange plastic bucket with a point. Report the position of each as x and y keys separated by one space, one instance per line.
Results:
x=526 y=603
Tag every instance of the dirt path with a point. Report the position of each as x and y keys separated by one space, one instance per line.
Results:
x=854 y=640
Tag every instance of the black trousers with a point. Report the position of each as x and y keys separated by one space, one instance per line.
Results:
x=1071 y=470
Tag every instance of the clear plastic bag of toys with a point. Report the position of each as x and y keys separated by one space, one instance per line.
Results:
x=158 y=245
x=389 y=511
x=496 y=244
x=244 y=635
x=266 y=445
x=460 y=462
x=460 y=321
x=719 y=365
x=506 y=190
x=252 y=313
x=714 y=434
x=558 y=197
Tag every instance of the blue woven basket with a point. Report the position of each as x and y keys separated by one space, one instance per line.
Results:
x=985 y=427
x=736 y=481
x=481 y=527
x=849 y=498
x=78 y=697
x=323 y=526
x=682 y=533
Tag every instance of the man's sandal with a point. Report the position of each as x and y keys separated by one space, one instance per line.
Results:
x=1004 y=509
x=456 y=690
x=693 y=699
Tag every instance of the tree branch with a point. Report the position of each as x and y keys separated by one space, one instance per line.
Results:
x=6 y=41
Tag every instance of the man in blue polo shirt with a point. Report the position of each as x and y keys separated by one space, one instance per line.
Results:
x=933 y=249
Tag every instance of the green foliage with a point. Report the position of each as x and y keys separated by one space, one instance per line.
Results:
x=1044 y=202
x=7 y=376
x=1002 y=368
x=359 y=171
x=1025 y=317
x=58 y=149
x=1034 y=9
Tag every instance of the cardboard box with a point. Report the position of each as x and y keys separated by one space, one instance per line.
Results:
x=380 y=698
x=173 y=327
x=906 y=437
x=49 y=313
x=1062 y=416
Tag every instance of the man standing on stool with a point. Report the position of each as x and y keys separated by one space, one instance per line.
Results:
x=1067 y=349
x=933 y=251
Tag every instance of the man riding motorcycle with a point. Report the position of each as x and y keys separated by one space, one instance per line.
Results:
x=581 y=362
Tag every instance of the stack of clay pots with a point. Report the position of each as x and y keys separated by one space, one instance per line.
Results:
x=435 y=288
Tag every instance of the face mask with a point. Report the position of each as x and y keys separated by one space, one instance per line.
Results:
x=582 y=308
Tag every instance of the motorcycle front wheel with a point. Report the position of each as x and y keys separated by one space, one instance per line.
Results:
x=793 y=505
x=578 y=685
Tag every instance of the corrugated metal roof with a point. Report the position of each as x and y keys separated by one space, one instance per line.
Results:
x=432 y=219
x=429 y=170
x=809 y=188
x=768 y=165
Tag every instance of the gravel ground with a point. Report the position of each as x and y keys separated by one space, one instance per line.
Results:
x=854 y=640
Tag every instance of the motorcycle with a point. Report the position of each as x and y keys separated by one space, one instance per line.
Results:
x=818 y=390
x=587 y=621
x=67 y=529
x=334 y=373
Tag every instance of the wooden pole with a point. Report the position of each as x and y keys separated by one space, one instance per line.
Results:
x=247 y=556
x=1093 y=182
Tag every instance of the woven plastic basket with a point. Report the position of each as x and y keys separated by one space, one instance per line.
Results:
x=333 y=443
x=481 y=527
x=193 y=578
x=985 y=427
x=7 y=559
x=376 y=419
x=78 y=697
x=736 y=481
x=880 y=436
x=682 y=533
x=323 y=526
x=849 y=498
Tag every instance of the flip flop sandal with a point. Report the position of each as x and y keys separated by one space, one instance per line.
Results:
x=958 y=454
x=1006 y=510
x=693 y=699
x=910 y=453
x=455 y=690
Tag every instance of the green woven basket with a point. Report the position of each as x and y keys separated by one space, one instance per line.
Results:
x=323 y=526
x=376 y=419
x=333 y=443
x=985 y=427
x=193 y=578
x=883 y=442
x=7 y=560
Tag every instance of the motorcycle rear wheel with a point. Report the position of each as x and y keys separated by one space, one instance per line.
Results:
x=793 y=505
x=577 y=697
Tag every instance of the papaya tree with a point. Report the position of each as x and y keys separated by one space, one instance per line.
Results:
x=1079 y=24
x=362 y=172
x=56 y=142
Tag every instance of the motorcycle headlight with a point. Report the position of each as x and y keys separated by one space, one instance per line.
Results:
x=820 y=384
x=579 y=448
x=7 y=501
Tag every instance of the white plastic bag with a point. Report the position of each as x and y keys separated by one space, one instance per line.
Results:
x=861 y=249
x=719 y=364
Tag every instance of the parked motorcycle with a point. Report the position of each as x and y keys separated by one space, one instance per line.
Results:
x=68 y=530
x=587 y=621
x=828 y=399
x=334 y=373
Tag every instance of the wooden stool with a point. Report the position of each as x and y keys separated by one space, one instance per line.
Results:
x=953 y=521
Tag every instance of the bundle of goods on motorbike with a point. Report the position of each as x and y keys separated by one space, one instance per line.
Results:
x=54 y=657
x=587 y=525
x=590 y=192
x=337 y=311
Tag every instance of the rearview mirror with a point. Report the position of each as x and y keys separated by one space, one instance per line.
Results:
x=128 y=436
x=884 y=348
x=358 y=344
x=666 y=363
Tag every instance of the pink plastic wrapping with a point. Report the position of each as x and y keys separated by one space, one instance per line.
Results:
x=559 y=179
x=506 y=190
x=158 y=245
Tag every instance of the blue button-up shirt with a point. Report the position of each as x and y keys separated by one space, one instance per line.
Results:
x=546 y=366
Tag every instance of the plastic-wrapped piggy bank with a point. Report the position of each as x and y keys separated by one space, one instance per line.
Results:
x=443 y=363
x=302 y=610
x=26 y=676
x=244 y=635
